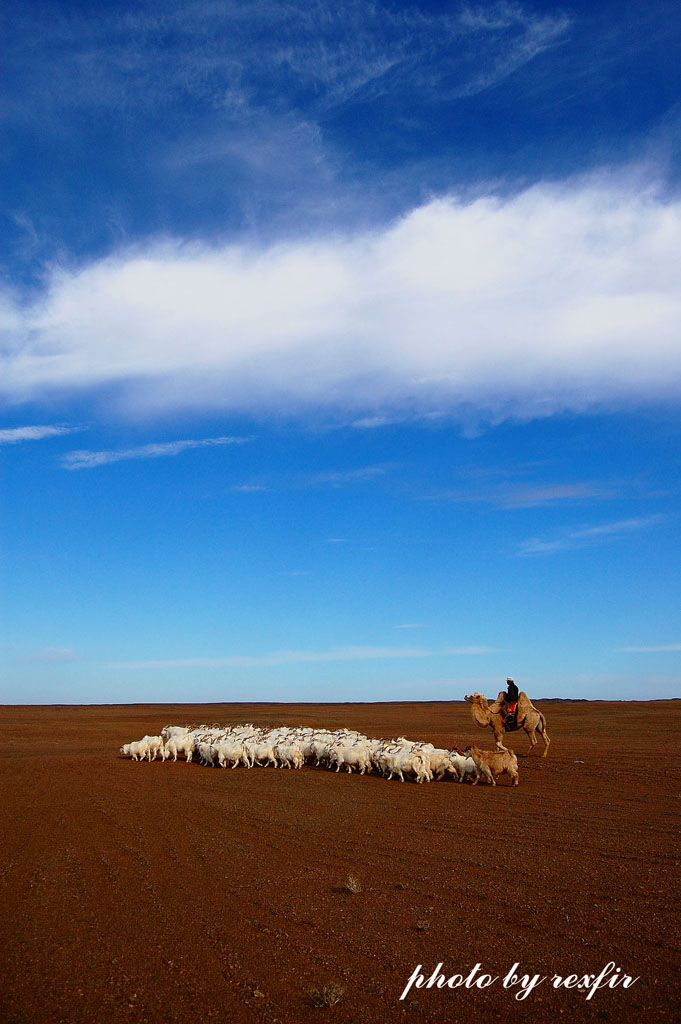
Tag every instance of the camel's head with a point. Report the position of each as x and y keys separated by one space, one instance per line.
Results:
x=475 y=698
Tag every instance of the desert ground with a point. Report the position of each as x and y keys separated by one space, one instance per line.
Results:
x=176 y=893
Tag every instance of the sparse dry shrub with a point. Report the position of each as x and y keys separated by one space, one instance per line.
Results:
x=327 y=995
x=352 y=885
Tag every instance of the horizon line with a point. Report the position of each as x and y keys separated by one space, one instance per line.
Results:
x=319 y=703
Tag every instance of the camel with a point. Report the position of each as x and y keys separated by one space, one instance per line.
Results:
x=528 y=718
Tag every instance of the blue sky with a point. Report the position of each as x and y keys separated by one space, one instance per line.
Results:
x=340 y=350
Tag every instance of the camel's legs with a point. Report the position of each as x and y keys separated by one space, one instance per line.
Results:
x=531 y=735
x=499 y=740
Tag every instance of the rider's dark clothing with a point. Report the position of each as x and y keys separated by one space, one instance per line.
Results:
x=512 y=693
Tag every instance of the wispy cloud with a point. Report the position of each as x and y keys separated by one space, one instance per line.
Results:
x=409 y=625
x=330 y=478
x=552 y=494
x=88 y=460
x=522 y=306
x=502 y=494
x=51 y=656
x=309 y=57
x=652 y=649
x=359 y=653
x=252 y=94
x=589 y=535
x=340 y=477
x=374 y=422
x=13 y=435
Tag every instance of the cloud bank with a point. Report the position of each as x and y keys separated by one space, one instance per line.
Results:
x=563 y=297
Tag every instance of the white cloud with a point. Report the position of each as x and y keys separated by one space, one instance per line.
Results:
x=589 y=535
x=12 y=435
x=559 y=298
x=358 y=653
x=88 y=460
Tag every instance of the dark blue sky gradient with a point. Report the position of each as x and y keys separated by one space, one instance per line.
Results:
x=119 y=122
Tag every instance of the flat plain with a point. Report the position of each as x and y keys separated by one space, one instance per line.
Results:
x=175 y=893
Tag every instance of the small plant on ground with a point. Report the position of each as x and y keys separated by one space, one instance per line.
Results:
x=353 y=885
x=327 y=995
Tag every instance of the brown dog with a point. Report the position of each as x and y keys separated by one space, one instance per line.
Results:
x=492 y=763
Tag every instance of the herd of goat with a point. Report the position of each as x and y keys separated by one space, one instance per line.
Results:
x=291 y=747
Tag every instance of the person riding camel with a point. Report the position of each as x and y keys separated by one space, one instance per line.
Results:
x=509 y=708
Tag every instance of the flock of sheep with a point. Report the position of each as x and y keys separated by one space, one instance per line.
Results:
x=292 y=747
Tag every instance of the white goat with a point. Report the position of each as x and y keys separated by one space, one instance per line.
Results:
x=349 y=757
x=154 y=747
x=440 y=764
x=234 y=752
x=206 y=752
x=180 y=745
x=137 y=750
x=289 y=755
x=400 y=761
x=260 y=751
x=463 y=766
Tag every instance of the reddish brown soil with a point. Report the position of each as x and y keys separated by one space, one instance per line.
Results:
x=171 y=892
